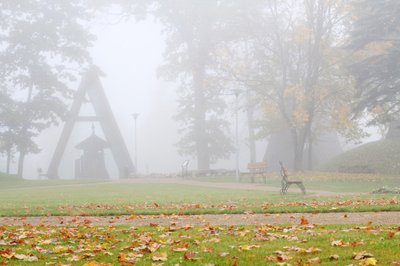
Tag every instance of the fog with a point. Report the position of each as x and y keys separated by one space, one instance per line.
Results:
x=133 y=56
x=131 y=84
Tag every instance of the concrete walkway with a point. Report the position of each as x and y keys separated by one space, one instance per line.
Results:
x=378 y=218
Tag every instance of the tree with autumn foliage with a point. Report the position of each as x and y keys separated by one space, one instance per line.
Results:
x=293 y=60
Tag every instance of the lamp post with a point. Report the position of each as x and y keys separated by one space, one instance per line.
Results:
x=135 y=117
x=236 y=93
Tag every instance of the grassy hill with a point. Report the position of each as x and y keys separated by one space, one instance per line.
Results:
x=381 y=157
x=6 y=177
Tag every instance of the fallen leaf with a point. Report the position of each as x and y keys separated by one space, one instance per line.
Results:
x=338 y=243
x=334 y=257
x=248 y=247
x=25 y=257
x=391 y=234
x=312 y=250
x=368 y=262
x=95 y=263
x=188 y=256
x=283 y=258
x=362 y=255
x=270 y=258
x=316 y=260
x=161 y=256
x=304 y=221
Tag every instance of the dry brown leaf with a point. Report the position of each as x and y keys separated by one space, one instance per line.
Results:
x=362 y=255
x=334 y=257
x=339 y=243
x=188 y=256
x=315 y=260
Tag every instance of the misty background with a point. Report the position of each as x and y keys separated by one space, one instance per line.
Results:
x=139 y=53
x=129 y=53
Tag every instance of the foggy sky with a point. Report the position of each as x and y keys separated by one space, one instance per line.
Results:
x=129 y=53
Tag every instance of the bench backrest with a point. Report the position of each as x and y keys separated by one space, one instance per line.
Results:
x=257 y=167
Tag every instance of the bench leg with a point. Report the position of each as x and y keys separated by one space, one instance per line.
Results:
x=303 y=188
x=284 y=188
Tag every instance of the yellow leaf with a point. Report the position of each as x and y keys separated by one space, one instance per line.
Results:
x=95 y=263
x=369 y=262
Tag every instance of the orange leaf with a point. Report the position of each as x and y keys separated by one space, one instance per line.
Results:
x=303 y=221
x=391 y=234
x=188 y=256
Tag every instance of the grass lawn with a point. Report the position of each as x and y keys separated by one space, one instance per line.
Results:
x=32 y=198
x=207 y=245
x=379 y=156
x=328 y=181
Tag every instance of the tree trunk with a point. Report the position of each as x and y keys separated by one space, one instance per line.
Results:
x=394 y=130
x=8 y=163
x=22 y=146
x=310 y=153
x=21 y=160
x=250 y=123
x=298 y=156
x=203 y=156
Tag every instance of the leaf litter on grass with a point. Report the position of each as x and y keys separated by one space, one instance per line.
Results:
x=81 y=243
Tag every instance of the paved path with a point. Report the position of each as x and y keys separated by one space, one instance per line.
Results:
x=224 y=219
x=230 y=185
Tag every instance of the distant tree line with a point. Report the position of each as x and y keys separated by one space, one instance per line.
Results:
x=304 y=67
x=307 y=67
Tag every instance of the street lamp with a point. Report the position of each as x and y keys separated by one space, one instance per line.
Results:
x=135 y=116
x=236 y=93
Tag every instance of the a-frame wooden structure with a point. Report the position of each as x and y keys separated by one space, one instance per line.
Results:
x=92 y=88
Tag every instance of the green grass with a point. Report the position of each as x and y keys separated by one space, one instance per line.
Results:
x=33 y=198
x=205 y=245
x=328 y=181
x=120 y=198
x=381 y=156
x=342 y=182
x=9 y=178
